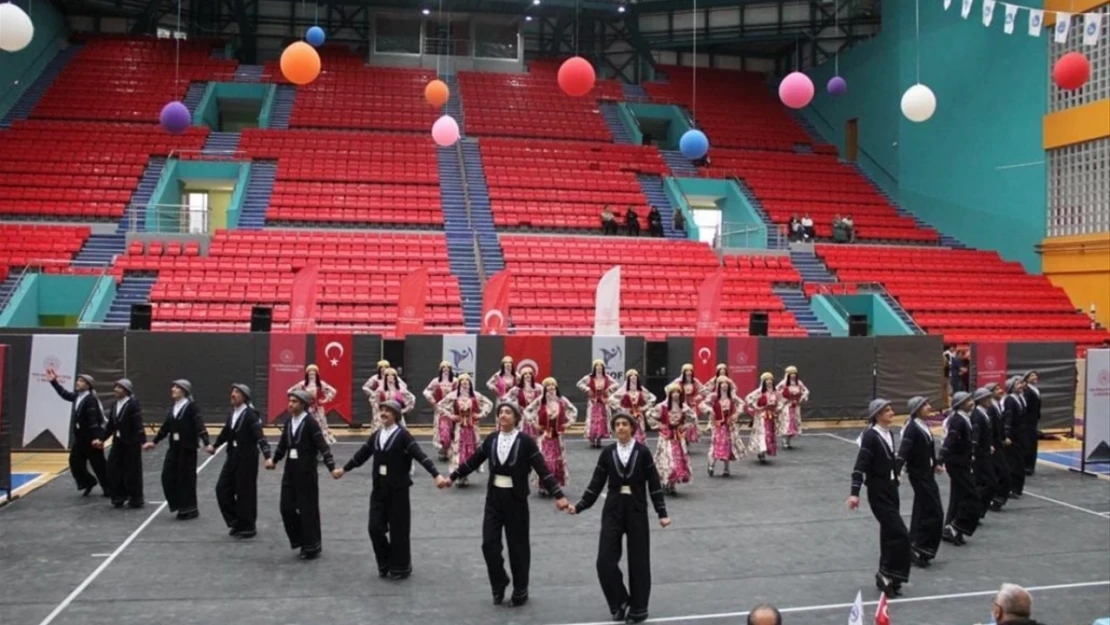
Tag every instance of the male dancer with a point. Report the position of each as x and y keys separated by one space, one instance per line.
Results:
x=237 y=488
x=85 y=433
x=957 y=455
x=184 y=427
x=125 y=460
x=918 y=455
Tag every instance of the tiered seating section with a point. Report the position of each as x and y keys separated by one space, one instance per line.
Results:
x=360 y=279
x=966 y=295
x=32 y=244
x=555 y=279
x=344 y=178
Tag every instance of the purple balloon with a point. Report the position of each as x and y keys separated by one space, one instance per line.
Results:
x=837 y=86
x=175 y=117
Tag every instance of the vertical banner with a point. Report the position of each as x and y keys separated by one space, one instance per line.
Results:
x=287 y=355
x=709 y=305
x=990 y=363
x=530 y=350
x=412 y=303
x=743 y=362
x=607 y=304
x=302 y=304
x=335 y=354
x=611 y=351
x=5 y=429
x=495 y=304
x=45 y=411
x=461 y=350
x=1096 y=414
x=705 y=357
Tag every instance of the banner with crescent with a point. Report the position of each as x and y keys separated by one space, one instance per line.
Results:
x=412 y=303
x=705 y=357
x=990 y=363
x=495 y=304
x=335 y=356
x=287 y=363
x=534 y=351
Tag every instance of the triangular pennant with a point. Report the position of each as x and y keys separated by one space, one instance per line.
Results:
x=965 y=10
x=1011 y=17
x=947 y=4
x=988 y=12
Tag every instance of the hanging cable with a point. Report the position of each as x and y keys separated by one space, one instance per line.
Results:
x=177 y=54
x=694 y=27
x=576 y=11
x=917 y=36
x=836 y=27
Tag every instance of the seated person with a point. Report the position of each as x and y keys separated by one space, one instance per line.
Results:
x=632 y=222
x=608 y=221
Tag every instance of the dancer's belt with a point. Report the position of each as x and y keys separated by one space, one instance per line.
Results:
x=626 y=490
x=503 y=481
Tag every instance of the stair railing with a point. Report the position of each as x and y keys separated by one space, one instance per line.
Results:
x=18 y=280
x=880 y=290
x=478 y=257
x=92 y=296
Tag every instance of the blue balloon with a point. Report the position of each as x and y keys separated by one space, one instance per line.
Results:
x=315 y=36
x=694 y=144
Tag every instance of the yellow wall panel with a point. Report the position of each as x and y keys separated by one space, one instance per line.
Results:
x=1069 y=6
x=1076 y=125
x=1081 y=266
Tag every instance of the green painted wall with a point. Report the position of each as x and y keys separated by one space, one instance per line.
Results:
x=208 y=110
x=828 y=313
x=678 y=123
x=102 y=295
x=881 y=319
x=163 y=214
x=737 y=213
x=26 y=65
x=22 y=309
x=54 y=300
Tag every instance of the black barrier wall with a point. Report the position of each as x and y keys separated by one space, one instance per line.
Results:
x=1055 y=364
x=5 y=420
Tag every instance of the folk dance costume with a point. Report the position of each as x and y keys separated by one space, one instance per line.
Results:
x=86 y=431
x=391 y=389
x=917 y=454
x=628 y=469
x=998 y=430
x=598 y=386
x=552 y=413
x=724 y=408
x=673 y=419
x=1032 y=396
x=237 y=488
x=957 y=454
x=986 y=483
x=526 y=391
x=374 y=382
x=763 y=406
x=1013 y=422
x=184 y=427
x=793 y=394
x=302 y=441
x=466 y=408
x=502 y=382
x=439 y=387
x=694 y=392
x=321 y=393
x=877 y=466
x=635 y=400
x=125 y=459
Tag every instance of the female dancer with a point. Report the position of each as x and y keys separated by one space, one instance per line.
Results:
x=552 y=413
x=763 y=405
x=375 y=380
x=390 y=389
x=437 y=389
x=504 y=380
x=673 y=417
x=322 y=394
x=724 y=407
x=635 y=400
x=793 y=394
x=465 y=407
x=523 y=394
x=598 y=386
x=694 y=392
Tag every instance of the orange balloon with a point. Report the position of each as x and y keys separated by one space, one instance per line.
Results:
x=436 y=93
x=300 y=63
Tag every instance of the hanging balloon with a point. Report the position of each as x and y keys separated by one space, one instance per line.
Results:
x=837 y=86
x=300 y=63
x=437 y=93
x=16 y=28
x=796 y=90
x=919 y=103
x=1071 y=71
x=576 y=76
x=445 y=132
x=693 y=144
x=315 y=36
x=175 y=117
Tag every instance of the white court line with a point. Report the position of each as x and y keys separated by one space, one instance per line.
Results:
x=111 y=558
x=839 y=438
x=846 y=606
x=99 y=555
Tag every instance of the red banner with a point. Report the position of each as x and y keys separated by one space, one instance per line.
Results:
x=990 y=363
x=287 y=353
x=705 y=357
x=743 y=362
x=495 y=304
x=412 y=303
x=530 y=350
x=302 y=305
x=709 y=305
x=334 y=355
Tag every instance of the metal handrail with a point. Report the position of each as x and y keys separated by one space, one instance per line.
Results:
x=881 y=290
x=50 y=49
x=92 y=293
x=8 y=298
x=196 y=155
x=156 y=226
x=478 y=257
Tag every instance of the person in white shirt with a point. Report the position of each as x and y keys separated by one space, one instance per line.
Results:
x=237 y=488
x=917 y=455
x=125 y=460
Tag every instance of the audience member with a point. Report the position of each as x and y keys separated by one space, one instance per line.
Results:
x=632 y=222
x=1013 y=605
x=795 y=233
x=764 y=614
x=844 y=230
x=655 y=222
x=679 y=221
x=808 y=233
x=608 y=221
x=851 y=226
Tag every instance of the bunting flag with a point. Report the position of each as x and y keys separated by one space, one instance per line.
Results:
x=965 y=10
x=1091 y=28
x=1036 y=22
x=495 y=304
x=412 y=303
x=855 y=617
x=988 y=12
x=1063 y=26
x=335 y=353
x=1091 y=23
x=1011 y=17
x=302 y=305
x=881 y=615
x=947 y=4
x=607 y=304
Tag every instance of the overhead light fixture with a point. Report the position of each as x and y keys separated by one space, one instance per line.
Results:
x=426 y=11
x=527 y=18
x=536 y=3
x=620 y=9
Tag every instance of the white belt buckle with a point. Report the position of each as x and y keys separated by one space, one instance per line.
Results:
x=626 y=490
x=292 y=454
x=382 y=470
x=503 y=481
x=234 y=443
x=176 y=436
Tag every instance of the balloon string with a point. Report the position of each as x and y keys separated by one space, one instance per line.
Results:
x=836 y=27
x=177 y=55
x=576 y=27
x=694 y=27
x=917 y=37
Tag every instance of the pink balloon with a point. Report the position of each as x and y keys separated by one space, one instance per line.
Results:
x=445 y=132
x=796 y=90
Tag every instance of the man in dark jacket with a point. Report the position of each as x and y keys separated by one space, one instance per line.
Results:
x=237 y=487
x=1013 y=606
x=86 y=431
x=125 y=460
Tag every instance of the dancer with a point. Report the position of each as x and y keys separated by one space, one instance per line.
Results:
x=724 y=408
x=630 y=472
x=674 y=418
x=635 y=400
x=375 y=380
x=793 y=394
x=998 y=432
x=237 y=488
x=877 y=467
x=763 y=406
x=438 y=388
x=526 y=391
x=184 y=427
x=918 y=455
x=1013 y=423
x=391 y=389
x=466 y=408
x=504 y=380
x=598 y=387
x=986 y=483
x=321 y=393
x=125 y=459
x=1032 y=396
x=511 y=456
x=956 y=455
x=393 y=449
x=552 y=413
x=303 y=440
x=86 y=432
x=694 y=392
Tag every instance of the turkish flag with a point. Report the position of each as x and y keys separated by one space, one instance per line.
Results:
x=881 y=616
x=709 y=305
x=705 y=357
x=412 y=303
x=530 y=350
x=495 y=304
x=335 y=357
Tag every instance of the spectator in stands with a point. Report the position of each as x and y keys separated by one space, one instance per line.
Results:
x=764 y=614
x=808 y=233
x=840 y=233
x=608 y=221
x=655 y=222
x=632 y=222
x=795 y=228
x=679 y=221
x=1013 y=605
x=851 y=226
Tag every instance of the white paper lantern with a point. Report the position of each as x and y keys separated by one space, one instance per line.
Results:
x=16 y=28
x=919 y=103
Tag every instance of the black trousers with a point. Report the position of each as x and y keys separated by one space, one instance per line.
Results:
x=389 y=527
x=82 y=456
x=300 y=505
x=1015 y=457
x=620 y=520
x=986 y=483
x=125 y=472
x=237 y=492
x=963 y=501
x=1032 y=443
x=179 y=478
x=1002 y=473
x=927 y=522
x=894 y=539
x=504 y=511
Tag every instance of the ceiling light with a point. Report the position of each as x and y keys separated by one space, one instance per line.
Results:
x=426 y=11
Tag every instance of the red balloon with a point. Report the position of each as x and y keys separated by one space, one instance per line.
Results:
x=1072 y=71
x=576 y=76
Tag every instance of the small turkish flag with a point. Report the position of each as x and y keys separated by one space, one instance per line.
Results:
x=881 y=616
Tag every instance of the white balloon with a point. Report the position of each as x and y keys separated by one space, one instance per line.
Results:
x=16 y=29
x=919 y=103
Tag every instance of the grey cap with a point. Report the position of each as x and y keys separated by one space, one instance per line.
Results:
x=915 y=404
x=991 y=386
x=875 y=407
x=623 y=415
x=392 y=406
x=959 y=398
x=301 y=396
x=184 y=385
x=87 y=378
x=981 y=394
x=1025 y=376
x=244 y=389
x=1011 y=383
x=511 y=406
x=125 y=384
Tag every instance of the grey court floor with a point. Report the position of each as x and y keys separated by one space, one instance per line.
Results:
x=777 y=533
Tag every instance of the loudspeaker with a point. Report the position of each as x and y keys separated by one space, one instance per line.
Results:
x=262 y=317
x=857 y=325
x=140 y=317
x=758 y=324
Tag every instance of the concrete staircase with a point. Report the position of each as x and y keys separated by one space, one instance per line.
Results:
x=222 y=144
x=141 y=197
x=22 y=108
x=903 y=314
x=680 y=166
x=612 y=119
x=248 y=73
x=133 y=289
x=100 y=250
x=460 y=238
x=775 y=240
x=283 y=107
x=260 y=185
x=454 y=106
x=796 y=302
x=194 y=95
x=634 y=93
x=652 y=186
x=481 y=212
x=809 y=265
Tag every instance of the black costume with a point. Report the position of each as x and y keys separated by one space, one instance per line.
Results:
x=86 y=424
x=625 y=514
x=877 y=467
x=956 y=454
x=507 y=509
x=185 y=429
x=237 y=487
x=1032 y=397
x=125 y=459
x=1013 y=417
x=986 y=483
x=1001 y=465
x=300 y=488
x=918 y=454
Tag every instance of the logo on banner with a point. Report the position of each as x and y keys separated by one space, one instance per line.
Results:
x=989 y=363
x=334 y=360
x=742 y=358
x=608 y=355
x=286 y=356
x=460 y=357
x=1103 y=380
x=51 y=362
x=409 y=312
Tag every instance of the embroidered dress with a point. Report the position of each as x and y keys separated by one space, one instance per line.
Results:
x=671 y=458
x=726 y=442
x=598 y=389
x=694 y=392
x=523 y=396
x=399 y=395
x=793 y=395
x=763 y=406
x=465 y=410
x=552 y=416
x=636 y=402
x=444 y=434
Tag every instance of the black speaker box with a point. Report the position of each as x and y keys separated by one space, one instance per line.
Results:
x=857 y=325
x=140 y=317
x=758 y=324
x=262 y=317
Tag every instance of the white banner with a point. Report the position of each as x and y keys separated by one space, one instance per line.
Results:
x=947 y=3
x=1092 y=24
x=965 y=10
x=1063 y=25
x=610 y=350
x=45 y=410
x=1036 y=21
x=988 y=12
x=607 y=304
x=1096 y=418
x=461 y=350
x=1011 y=17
